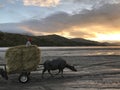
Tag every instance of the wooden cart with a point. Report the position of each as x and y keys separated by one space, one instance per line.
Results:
x=22 y=60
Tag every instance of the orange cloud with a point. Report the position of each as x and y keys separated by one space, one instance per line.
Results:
x=30 y=30
x=106 y=34
x=107 y=37
x=97 y=33
x=42 y=3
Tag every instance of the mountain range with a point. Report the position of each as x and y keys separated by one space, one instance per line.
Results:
x=10 y=39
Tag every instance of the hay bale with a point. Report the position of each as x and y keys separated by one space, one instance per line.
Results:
x=22 y=58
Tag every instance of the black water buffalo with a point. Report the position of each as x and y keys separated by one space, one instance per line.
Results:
x=55 y=64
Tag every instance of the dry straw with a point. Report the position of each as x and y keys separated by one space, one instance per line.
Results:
x=22 y=58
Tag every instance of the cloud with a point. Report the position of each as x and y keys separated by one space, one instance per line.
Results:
x=85 y=24
x=97 y=1
x=1 y=5
x=41 y=3
x=14 y=28
x=54 y=23
x=108 y=16
x=12 y=1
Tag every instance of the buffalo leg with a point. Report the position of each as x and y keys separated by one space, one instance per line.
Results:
x=50 y=73
x=58 y=72
x=62 y=73
x=43 y=72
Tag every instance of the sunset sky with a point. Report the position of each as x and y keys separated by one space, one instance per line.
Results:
x=97 y=20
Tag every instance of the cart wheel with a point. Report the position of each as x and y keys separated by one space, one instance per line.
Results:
x=23 y=78
x=28 y=73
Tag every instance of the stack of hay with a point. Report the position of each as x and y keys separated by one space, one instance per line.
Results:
x=22 y=58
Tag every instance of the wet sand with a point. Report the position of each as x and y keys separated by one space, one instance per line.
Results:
x=94 y=73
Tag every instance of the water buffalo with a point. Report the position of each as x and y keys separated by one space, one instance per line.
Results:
x=55 y=64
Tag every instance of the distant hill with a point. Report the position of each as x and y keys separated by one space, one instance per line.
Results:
x=88 y=42
x=9 y=39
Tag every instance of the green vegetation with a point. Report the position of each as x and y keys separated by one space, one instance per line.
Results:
x=9 y=39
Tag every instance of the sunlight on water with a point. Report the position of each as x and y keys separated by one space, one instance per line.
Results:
x=100 y=52
x=111 y=53
x=80 y=51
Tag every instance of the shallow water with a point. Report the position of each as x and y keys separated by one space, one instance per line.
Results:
x=77 y=51
x=80 y=51
x=74 y=53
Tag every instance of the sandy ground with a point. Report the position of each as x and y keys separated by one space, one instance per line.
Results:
x=94 y=73
x=81 y=80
